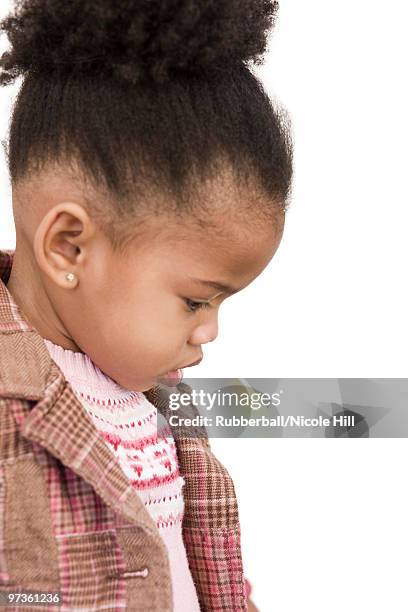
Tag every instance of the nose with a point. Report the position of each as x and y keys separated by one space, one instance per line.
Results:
x=204 y=332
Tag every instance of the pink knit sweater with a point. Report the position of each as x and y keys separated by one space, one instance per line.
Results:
x=128 y=422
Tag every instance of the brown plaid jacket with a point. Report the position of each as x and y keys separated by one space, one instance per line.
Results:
x=70 y=521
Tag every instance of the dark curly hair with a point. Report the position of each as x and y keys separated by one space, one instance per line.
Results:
x=146 y=98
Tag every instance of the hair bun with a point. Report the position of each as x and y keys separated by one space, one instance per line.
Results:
x=134 y=38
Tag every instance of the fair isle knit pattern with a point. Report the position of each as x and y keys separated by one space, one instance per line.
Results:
x=140 y=439
x=128 y=423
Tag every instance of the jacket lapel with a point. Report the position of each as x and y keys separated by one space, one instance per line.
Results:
x=53 y=417
x=211 y=529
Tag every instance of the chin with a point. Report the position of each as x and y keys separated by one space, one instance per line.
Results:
x=146 y=387
x=138 y=386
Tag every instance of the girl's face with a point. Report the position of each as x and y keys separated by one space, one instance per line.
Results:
x=151 y=311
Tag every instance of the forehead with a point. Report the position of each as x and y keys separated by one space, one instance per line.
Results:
x=229 y=253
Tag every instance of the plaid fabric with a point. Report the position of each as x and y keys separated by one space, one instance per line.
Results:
x=71 y=522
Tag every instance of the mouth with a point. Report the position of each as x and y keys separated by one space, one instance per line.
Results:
x=176 y=375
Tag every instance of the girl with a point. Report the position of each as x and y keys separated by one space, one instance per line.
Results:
x=150 y=177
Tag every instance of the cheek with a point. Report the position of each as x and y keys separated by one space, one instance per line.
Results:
x=151 y=325
x=145 y=329
x=164 y=333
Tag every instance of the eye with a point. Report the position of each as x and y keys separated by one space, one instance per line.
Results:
x=194 y=306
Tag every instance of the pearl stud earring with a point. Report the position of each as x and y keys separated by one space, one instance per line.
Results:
x=70 y=276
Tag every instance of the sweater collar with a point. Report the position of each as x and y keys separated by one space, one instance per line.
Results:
x=85 y=376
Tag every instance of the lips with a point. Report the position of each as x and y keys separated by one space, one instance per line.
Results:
x=174 y=377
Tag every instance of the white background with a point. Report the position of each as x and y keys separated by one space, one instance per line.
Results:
x=323 y=521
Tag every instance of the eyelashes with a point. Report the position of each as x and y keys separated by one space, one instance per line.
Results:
x=196 y=306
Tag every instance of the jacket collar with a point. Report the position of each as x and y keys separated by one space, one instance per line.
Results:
x=24 y=376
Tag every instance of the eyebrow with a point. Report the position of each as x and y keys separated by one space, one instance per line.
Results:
x=214 y=284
